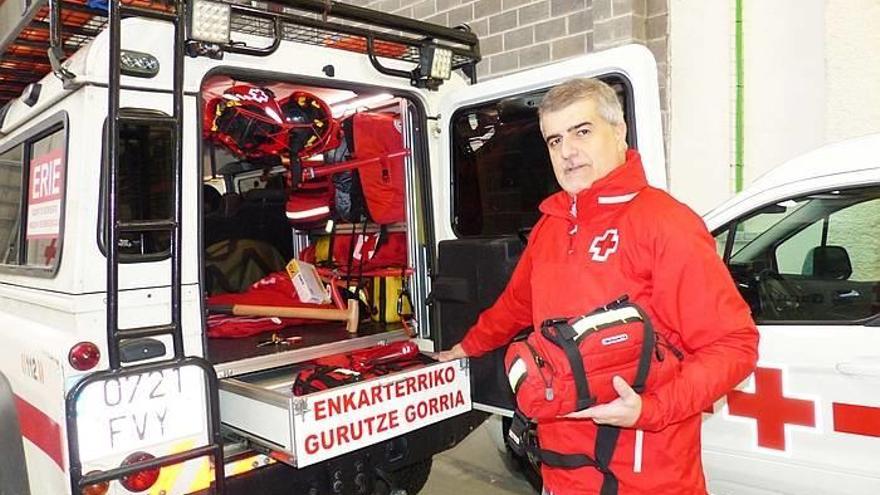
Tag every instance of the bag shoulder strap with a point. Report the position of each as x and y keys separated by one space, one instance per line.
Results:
x=606 y=442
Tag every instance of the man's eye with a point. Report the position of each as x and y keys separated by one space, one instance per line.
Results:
x=552 y=143
x=583 y=132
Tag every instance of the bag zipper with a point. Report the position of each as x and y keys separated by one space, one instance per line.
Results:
x=540 y=363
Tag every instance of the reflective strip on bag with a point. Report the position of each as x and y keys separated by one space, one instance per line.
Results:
x=313 y=212
x=517 y=373
x=596 y=321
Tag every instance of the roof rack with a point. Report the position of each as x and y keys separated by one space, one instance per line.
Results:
x=28 y=46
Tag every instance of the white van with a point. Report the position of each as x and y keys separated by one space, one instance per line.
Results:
x=803 y=245
x=129 y=225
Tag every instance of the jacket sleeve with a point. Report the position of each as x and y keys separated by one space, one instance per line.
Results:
x=695 y=298
x=511 y=312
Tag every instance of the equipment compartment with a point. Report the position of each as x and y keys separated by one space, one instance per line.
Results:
x=311 y=205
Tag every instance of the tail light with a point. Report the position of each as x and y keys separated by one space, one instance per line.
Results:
x=84 y=356
x=140 y=480
x=97 y=488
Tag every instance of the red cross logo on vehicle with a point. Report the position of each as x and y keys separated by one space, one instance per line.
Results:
x=604 y=245
x=771 y=409
x=50 y=252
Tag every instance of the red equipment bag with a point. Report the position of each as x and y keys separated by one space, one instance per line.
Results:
x=375 y=359
x=569 y=364
x=375 y=135
x=342 y=369
x=319 y=377
x=381 y=356
x=361 y=253
x=310 y=204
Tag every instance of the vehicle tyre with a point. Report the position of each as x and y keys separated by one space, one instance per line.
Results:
x=410 y=478
x=529 y=468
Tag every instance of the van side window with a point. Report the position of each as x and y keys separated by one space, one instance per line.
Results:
x=501 y=168
x=144 y=184
x=855 y=229
x=10 y=203
x=45 y=193
x=813 y=258
x=721 y=241
x=32 y=178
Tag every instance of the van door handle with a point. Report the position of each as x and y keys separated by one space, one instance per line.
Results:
x=846 y=294
x=861 y=367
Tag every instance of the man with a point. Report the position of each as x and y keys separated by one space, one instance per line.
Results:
x=608 y=233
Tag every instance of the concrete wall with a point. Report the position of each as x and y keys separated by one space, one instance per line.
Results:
x=784 y=91
x=810 y=79
x=519 y=34
x=852 y=43
x=785 y=81
x=701 y=91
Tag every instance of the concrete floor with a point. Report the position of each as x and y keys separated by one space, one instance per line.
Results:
x=475 y=467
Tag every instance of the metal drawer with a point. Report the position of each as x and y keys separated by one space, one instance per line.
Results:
x=304 y=430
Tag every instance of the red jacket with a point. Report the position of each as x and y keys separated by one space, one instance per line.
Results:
x=628 y=238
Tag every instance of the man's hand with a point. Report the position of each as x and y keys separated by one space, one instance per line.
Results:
x=455 y=353
x=623 y=411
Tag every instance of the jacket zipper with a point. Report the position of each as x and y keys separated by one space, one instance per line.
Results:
x=573 y=226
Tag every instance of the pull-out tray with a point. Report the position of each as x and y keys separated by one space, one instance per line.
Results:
x=304 y=430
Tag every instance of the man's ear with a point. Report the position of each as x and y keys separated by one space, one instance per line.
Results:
x=620 y=134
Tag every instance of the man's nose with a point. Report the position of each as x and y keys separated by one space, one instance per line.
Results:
x=566 y=150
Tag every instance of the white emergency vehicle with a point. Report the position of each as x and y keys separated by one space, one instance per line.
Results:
x=803 y=247
x=113 y=152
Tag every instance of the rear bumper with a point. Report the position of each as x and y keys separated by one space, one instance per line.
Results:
x=355 y=473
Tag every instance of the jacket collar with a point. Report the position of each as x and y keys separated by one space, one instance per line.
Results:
x=618 y=187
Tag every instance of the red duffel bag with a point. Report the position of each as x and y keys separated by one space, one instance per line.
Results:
x=568 y=365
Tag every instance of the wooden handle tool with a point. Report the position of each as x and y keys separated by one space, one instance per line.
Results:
x=349 y=316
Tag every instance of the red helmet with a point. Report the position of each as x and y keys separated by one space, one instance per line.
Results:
x=312 y=128
x=247 y=120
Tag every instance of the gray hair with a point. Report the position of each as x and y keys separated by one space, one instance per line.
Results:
x=573 y=90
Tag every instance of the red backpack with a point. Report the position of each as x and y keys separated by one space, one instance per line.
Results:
x=377 y=134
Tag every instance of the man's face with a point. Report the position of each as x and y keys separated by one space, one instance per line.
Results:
x=583 y=146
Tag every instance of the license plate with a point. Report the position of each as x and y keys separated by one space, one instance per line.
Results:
x=120 y=415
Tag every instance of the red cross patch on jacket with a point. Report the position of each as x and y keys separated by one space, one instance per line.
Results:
x=604 y=245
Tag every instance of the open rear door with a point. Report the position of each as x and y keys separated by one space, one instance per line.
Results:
x=499 y=171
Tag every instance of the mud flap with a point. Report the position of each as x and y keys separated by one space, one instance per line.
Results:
x=13 y=469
